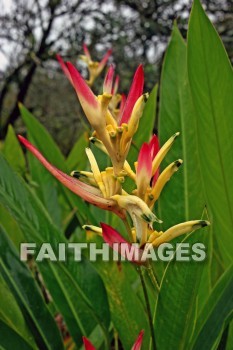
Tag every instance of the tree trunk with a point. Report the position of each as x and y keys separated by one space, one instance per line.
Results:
x=24 y=86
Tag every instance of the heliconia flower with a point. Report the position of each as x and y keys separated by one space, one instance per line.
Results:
x=136 y=207
x=87 y=344
x=116 y=85
x=108 y=81
x=178 y=230
x=64 y=68
x=116 y=241
x=104 y=60
x=116 y=136
x=155 y=239
x=136 y=90
x=140 y=214
x=162 y=180
x=86 y=97
x=144 y=170
x=137 y=345
x=87 y=192
x=86 y=51
x=154 y=146
x=122 y=105
x=162 y=153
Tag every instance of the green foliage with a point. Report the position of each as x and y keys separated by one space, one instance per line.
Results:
x=22 y=285
x=182 y=199
x=192 y=306
x=211 y=82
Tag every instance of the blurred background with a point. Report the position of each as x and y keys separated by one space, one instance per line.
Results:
x=33 y=31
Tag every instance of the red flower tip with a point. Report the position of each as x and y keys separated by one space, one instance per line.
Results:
x=136 y=90
x=82 y=89
x=122 y=105
x=137 y=345
x=64 y=68
x=154 y=146
x=88 y=345
x=108 y=81
x=86 y=51
x=115 y=241
x=116 y=85
x=87 y=192
x=105 y=59
x=145 y=162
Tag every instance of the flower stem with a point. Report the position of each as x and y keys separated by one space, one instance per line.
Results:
x=152 y=276
x=128 y=228
x=139 y=269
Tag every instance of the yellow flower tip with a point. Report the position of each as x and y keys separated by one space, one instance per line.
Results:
x=112 y=134
x=145 y=96
x=75 y=174
x=120 y=129
x=121 y=179
x=178 y=163
x=124 y=126
x=92 y=229
x=150 y=217
x=93 y=64
x=200 y=224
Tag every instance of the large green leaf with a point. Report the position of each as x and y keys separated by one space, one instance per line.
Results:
x=13 y=152
x=211 y=82
x=26 y=293
x=211 y=320
x=146 y=126
x=44 y=142
x=76 y=288
x=77 y=158
x=177 y=300
x=127 y=312
x=47 y=188
x=182 y=197
x=12 y=318
x=10 y=339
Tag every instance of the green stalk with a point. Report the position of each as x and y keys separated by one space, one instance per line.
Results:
x=139 y=269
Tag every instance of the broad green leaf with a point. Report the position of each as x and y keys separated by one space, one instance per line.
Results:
x=127 y=311
x=76 y=288
x=217 y=309
x=127 y=308
x=47 y=188
x=77 y=157
x=42 y=138
x=11 y=316
x=182 y=198
x=13 y=152
x=46 y=145
x=29 y=298
x=11 y=226
x=146 y=126
x=177 y=300
x=10 y=339
x=211 y=82
x=230 y=337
